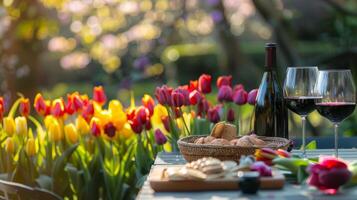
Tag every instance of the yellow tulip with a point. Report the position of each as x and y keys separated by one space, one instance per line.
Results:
x=9 y=126
x=115 y=106
x=159 y=112
x=71 y=133
x=104 y=116
x=127 y=131
x=49 y=120
x=30 y=147
x=54 y=131
x=82 y=125
x=9 y=145
x=119 y=119
x=21 y=126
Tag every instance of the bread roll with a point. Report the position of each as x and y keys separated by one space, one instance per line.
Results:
x=220 y=141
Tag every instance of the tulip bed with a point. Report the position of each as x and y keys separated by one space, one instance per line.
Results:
x=91 y=148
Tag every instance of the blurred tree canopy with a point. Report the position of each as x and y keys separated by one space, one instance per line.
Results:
x=118 y=42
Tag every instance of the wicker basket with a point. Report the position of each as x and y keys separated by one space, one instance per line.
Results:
x=192 y=151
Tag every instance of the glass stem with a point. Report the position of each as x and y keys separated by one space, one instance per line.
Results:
x=336 y=139
x=303 y=121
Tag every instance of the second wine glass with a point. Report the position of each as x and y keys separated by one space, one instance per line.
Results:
x=338 y=93
x=300 y=95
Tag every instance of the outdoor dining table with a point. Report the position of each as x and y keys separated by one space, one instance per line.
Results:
x=290 y=191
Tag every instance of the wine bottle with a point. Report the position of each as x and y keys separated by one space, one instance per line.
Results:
x=270 y=116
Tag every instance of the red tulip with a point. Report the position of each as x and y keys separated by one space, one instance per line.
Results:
x=328 y=175
x=95 y=127
x=225 y=93
x=177 y=112
x=193 y=86
x=142 y=114
x=204 y=83
x=99 y=95
x=213 y=114
x=2 y=108
x=109 y=129
x=148 y=125
x=149 y=103
x=252 y=96
x=24 y=107
x=166 y=121
x=195 y=97
x=240 y=97
x=57 y=108
x=40 y=105
x=77 y=102
x=230 y=115
x=130 y=114
x=177 y=98
x=88 y=110
x=224 y=80
x=136 y=126
x=69 y=105
x=160 y=138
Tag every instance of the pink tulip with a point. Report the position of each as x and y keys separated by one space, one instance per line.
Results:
x=240 y=97
x=225 y=93
x=224 y=80
x=252 y=96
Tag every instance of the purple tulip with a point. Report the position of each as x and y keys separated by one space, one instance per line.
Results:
x=230 y=115
x=163 y=95
x=213 y=114
x=177 y=98
x=252 y=96
x=225 y=93
x=240 y=97
x=160 y=138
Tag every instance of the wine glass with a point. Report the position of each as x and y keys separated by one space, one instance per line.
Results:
x=300 y=95
x=338 y=92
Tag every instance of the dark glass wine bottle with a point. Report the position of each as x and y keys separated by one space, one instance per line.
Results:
x=271 y=117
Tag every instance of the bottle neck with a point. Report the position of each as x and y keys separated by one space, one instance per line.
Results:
x=270 y=58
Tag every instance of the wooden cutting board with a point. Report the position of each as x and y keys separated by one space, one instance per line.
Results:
x=160 y=184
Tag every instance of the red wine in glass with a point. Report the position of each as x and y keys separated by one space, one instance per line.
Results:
x=338 y=92
x=301 y=105
x=336 y=112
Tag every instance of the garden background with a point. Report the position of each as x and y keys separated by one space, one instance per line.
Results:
x=61 y=46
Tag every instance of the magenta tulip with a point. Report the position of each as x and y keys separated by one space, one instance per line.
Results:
x=252 y=96
x=240 y=97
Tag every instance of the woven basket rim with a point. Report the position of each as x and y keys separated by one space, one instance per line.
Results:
x=183 y=141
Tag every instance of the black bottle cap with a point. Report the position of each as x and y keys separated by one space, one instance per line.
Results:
x=270 y=55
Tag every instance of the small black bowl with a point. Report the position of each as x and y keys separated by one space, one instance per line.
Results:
x=249 y=182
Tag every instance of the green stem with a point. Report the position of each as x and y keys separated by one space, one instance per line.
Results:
x=184 y=122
